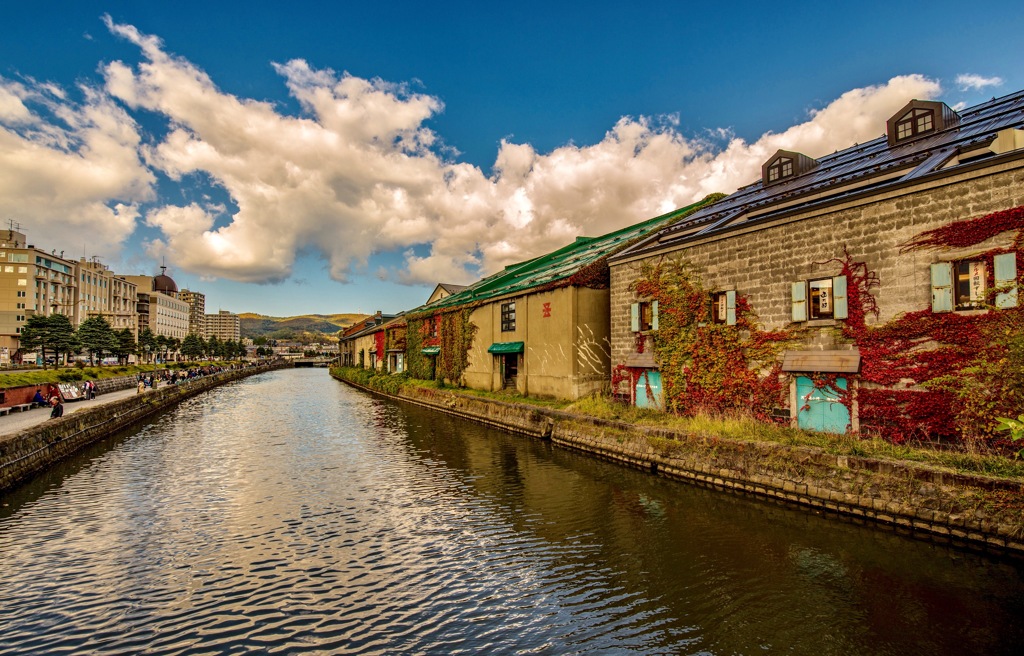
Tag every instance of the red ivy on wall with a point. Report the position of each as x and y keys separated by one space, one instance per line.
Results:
x=926 y=365
x=970 y=232
x=923 y=375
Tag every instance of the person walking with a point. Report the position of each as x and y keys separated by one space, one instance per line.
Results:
x=142 y=386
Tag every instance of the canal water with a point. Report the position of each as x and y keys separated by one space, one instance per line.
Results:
x=288 y=513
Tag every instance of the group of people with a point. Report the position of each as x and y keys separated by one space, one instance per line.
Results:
x=175 y=377
x=88 y=390
x=56 y=402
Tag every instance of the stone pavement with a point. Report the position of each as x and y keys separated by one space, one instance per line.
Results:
x=19 y=421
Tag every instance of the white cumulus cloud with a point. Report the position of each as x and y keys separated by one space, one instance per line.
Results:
x=357 y=172
x=72 y=175
x=977 y=82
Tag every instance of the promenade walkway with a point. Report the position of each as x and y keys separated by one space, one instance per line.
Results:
x=19 y=421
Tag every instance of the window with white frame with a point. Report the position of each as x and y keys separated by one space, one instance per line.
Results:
x=822 y=299
x=508 y=317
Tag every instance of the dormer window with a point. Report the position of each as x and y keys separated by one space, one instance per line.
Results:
x=919 y=118
x=781 y=168
x=784 y=165
x=914 y=123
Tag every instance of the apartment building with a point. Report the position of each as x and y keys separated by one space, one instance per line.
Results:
x=224 y=326
x=32 y=281
x=197 y=311
x=101 y=293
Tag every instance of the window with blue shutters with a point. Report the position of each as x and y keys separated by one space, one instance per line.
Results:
x=1005 y=266
x=820 y=299
x=723 y=308
x=964 y=284
x=643 y=316
x=942 y=287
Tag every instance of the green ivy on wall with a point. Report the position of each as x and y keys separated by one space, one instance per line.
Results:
x=709 y=367
x=456 y=335
x=451 y=331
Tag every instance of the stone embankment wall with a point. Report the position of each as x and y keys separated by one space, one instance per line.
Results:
x=966 y=510
x=34 y=449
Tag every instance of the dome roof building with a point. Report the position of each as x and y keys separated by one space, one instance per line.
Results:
x=165 y=284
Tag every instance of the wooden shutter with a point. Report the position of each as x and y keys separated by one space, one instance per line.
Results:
x=634 y=317
x=942 y=287
x=840 y=308
x=654 y=315
x=1005 y=266
x=730 y=308
x=800 y=301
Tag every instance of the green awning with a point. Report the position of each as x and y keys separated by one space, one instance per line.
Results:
x=431 y=350
x=499 y=348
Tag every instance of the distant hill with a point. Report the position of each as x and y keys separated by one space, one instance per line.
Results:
x=304 y=328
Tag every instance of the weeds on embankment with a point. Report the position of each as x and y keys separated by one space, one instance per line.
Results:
x=722 y=427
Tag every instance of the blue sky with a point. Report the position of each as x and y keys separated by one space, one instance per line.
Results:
x=291 y=158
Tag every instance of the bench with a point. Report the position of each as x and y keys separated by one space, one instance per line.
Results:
x=4 y=411
x=22 y=407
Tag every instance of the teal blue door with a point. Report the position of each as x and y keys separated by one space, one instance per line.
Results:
x=648 y=390
x=820 y=408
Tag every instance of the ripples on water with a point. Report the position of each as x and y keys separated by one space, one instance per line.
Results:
x=290 y=514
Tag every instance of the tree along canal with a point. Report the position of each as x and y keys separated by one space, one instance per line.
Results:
x=289 y=513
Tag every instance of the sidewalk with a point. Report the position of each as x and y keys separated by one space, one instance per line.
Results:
x=19 y=421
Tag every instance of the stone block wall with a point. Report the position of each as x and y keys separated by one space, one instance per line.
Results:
x=762 y=262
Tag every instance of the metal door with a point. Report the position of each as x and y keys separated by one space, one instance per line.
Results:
x=820 y=408
x=648 y=392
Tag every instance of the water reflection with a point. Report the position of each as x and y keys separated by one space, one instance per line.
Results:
x=265 y=518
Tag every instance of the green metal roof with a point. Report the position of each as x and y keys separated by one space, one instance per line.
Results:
x=431 y=350
x=505 y=347
x=557 y=265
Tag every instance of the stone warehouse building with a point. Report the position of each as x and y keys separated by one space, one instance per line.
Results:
x=539 y=327
x=832 y=291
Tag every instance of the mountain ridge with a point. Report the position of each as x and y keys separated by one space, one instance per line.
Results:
x=304 y=327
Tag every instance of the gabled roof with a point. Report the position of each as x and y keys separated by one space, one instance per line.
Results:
x=558 y=265
x=451 y=289
x=442 y=290
x=862 y=170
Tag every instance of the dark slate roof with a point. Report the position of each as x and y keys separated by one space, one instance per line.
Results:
x=368 y=324
x=867 y=168
x=451 y=289
x=557 y=265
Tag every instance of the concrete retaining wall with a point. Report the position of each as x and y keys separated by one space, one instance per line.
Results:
x=967 y=510
x=34 y=449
